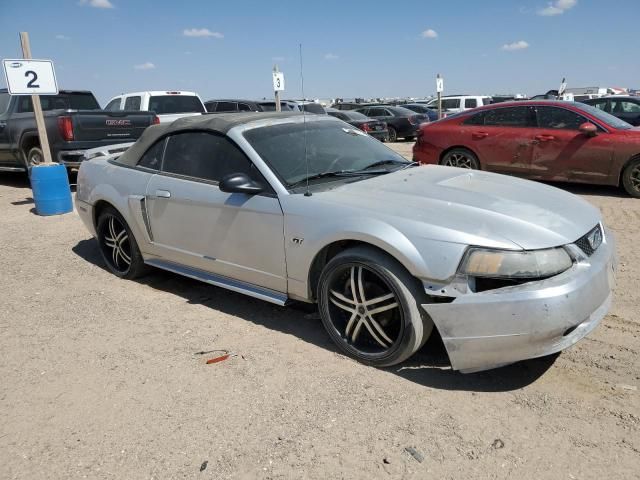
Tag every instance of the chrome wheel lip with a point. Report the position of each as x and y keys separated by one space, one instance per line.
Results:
x=115 y=244
x=34 y=160
x=459 y=160
x=361 y=312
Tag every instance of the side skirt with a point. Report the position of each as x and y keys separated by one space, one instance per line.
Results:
x=219 y=281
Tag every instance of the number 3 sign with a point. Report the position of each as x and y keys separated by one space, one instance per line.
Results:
x=278 y=81
x=30 y=77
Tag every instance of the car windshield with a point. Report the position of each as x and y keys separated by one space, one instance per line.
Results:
x=312 y=108
x=356 y=116
x=73 y=101
x=605 y=117
x=163 y=104
x=330 y=147
x=271 y=107
x=401 y=111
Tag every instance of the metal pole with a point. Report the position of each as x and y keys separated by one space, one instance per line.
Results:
x=439 y=103
x=37 y=107
x=277 y=92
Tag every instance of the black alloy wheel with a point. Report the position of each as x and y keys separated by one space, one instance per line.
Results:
x=370 y=306
x=118 y=246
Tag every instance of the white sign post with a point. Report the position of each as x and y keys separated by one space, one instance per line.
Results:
x=278 y=85
x=32 y=77
x=439 y=90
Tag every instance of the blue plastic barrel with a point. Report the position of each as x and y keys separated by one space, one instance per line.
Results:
x=51 y=192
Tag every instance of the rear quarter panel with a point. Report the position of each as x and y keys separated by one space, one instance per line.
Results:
x=121 y=187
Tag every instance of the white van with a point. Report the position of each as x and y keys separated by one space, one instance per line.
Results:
x=167 y=105
x=460 y=103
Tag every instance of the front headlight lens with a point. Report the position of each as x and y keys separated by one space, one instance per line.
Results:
x=519 y=264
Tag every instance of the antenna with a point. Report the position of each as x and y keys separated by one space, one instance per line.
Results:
x=304 y=122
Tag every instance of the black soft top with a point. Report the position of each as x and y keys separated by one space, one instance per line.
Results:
x=217 y=122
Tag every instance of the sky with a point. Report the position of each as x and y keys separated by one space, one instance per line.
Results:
x=227 y=49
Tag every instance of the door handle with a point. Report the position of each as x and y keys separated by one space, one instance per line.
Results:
x=479 y=135
x=163 y=194
x=544 y=138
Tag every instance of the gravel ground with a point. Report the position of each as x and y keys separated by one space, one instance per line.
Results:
x=101 y=379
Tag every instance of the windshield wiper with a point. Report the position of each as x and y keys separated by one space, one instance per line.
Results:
x=315 y=176
x=390 y=161
x=354 y=173
x=386 y=162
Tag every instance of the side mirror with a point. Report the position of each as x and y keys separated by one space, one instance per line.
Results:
x=240 y=183
x=589 y=129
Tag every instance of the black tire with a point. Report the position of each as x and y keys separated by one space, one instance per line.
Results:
x=461 y=158
x=32 y=158
x=118 y=246
x=392 y=135
x=399 y=328
x=631 y=178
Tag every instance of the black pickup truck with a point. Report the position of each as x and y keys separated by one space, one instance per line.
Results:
x=74 y=123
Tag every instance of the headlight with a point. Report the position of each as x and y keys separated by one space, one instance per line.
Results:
x=519 y=264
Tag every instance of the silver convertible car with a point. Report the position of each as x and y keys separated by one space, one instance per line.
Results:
x=283 y=206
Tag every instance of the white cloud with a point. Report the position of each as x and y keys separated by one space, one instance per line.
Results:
x=330 y=56
x=201 y=32
x=97 y=3
x=144 y=66
x=558 y=7
x=512 y=47
x=62 y=37
x=429 y=33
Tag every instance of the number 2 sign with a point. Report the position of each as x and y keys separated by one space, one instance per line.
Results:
x=30 y=77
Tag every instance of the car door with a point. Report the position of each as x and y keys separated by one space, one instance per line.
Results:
x=194 y=223
x=6 y=157
x=501 y=138
x=627 y=110
x=562 y=152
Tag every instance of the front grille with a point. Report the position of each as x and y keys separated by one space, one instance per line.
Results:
x=590 y=242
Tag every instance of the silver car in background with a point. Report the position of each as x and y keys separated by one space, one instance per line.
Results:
x=283 y=206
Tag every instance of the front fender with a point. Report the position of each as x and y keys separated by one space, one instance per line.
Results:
x=423 y=258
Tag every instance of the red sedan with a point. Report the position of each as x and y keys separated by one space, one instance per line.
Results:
x=544 y=140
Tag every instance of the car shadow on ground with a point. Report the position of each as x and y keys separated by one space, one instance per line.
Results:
x=15 y=180
x=590 y=190
x=429 y=367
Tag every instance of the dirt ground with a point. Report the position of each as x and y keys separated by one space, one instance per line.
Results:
x=100 y=378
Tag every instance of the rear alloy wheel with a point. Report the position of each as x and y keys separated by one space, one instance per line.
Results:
x=392 y=135
x=461 y=158
x=631 y=178
x=370 y=306
x=118 y=246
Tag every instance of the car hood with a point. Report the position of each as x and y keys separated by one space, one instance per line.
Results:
x=471 y=207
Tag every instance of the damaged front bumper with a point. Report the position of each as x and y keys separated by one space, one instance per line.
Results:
x=497 y=327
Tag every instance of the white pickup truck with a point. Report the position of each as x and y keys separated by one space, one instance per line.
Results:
x=167 y=105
